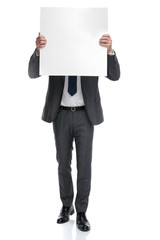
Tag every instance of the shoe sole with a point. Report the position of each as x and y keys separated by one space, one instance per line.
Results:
x=83 y=230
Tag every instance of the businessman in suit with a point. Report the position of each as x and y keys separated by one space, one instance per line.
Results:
x=73 y=105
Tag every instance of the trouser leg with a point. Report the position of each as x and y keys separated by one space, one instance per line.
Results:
x=83 y=133
x=64 y=145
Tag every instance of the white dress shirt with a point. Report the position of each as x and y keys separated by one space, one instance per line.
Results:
x=77 y=98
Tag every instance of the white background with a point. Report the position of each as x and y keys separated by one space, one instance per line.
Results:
x=124 y=200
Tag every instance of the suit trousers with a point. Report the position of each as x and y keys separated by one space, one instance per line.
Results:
x=68 y=126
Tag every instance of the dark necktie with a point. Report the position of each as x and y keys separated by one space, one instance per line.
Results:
x=72 y=85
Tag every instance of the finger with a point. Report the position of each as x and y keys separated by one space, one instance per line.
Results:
x=106 y=35
x=107 y=38
x=105 y=41
x=40 y=43
x=105 y=45
x=108 y=43
x=41 y=36
x=43 y=41
x=41 y=46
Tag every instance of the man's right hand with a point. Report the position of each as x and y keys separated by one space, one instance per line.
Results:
x=40 y=42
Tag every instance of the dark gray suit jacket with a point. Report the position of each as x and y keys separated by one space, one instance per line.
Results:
x=89 y=86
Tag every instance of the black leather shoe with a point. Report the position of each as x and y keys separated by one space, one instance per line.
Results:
x=65 y=213
x=82 y=222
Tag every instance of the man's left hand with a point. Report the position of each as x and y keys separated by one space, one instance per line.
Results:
x=106 y=41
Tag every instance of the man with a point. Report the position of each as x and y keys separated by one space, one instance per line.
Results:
x=73 y=105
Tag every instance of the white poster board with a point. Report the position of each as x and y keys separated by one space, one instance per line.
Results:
x=73 y=41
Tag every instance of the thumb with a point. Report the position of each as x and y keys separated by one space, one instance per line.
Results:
x=39 y=33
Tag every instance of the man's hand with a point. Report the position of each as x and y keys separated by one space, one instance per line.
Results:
x=40 y=42
x=106 y=41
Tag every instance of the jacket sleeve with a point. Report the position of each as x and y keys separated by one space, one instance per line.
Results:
x=33 y=66
x=113 y=67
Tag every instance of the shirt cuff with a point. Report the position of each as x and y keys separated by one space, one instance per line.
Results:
x=113 y=53
x=37 y=54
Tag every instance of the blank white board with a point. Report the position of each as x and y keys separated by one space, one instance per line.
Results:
x=73 y=41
